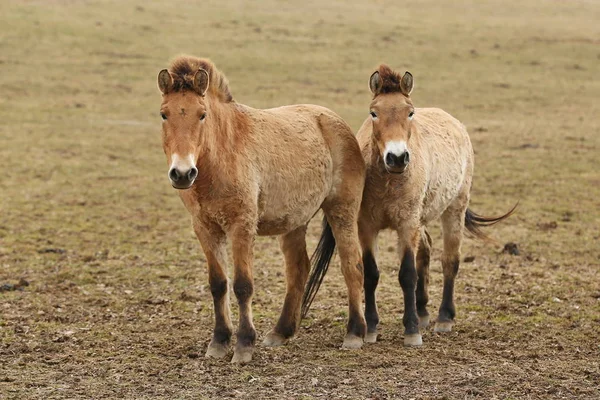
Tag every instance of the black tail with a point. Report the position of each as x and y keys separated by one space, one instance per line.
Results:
x=319 y=261
x=474 y=222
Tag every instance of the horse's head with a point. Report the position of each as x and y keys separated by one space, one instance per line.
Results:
x=183 y=111
x=392 y=113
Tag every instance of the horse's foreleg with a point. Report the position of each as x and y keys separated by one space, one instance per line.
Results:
x=297 y=267
x=367 y=237
x=243 y=286
x=213 y=241
x=423 y=257
x=407 y=276
x=452 y=227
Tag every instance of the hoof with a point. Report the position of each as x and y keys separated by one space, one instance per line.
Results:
x=242 y=355
x=274 y=339
x=371 y=337
x=216 y=350
x=444 y=326
x=413 y=340
x=423 y=322
x=352 y=342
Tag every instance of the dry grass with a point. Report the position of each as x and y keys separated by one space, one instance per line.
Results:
x=117 y=304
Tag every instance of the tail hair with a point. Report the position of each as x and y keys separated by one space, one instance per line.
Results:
x=474 y=222
x=319 y=261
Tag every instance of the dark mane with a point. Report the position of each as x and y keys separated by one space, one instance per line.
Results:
x=390 y=80
x=183 y=69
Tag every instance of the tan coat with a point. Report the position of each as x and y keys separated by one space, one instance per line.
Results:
x=440 y=171
x=244 y=172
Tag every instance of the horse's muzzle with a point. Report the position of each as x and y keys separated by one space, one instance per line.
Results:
x=183 y=179
x=397 y=163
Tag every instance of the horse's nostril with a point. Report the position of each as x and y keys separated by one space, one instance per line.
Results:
x=406 y=158
x=192 y=173
x=174 y=175
x=390 y=159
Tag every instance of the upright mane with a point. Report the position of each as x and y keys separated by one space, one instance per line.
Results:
x=183 y=69
x=390 y=80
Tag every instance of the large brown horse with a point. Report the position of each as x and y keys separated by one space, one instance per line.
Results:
x=419 y=168
x=244 y=172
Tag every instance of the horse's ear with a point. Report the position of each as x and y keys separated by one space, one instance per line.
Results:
x=406 y=83
x=165 y=81
x=201 y=81
x=375 y=83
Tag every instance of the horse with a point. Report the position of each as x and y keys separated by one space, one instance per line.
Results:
x=419 y=169
x=243 y=172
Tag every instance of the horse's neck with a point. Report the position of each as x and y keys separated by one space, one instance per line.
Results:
x=221 y=151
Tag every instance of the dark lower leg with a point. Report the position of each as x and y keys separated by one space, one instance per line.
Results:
x=452 y=228
x=222 y=332
x=371 y=281
x=447 y=310
x=352 y=270
x=356 y=322
x=243 y=288
x=423 y=258
x=297 y=267
x=408 y=281
x=290 y=316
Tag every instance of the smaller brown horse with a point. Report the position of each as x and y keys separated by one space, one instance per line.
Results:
x=245 y=172
x=419 y=168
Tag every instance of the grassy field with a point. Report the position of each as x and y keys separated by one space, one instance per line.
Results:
x=113 y=300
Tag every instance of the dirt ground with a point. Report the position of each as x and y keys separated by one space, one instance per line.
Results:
x=103 y=286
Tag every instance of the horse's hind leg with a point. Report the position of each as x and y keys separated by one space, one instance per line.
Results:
x=423 y=257
x=453 y=220
x=297 y=267
x=367 y=238
x=342 y=218
x=341 y=209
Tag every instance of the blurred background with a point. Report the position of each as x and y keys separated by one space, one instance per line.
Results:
x=104 y=289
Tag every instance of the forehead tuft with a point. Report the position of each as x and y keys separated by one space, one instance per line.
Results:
x=390 y=80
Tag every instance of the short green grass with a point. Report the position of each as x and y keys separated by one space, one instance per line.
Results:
x=118 y=304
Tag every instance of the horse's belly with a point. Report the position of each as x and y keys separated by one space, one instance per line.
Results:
x=435 y=205
x=279 y=226
x=440 y=194
x=288 y=201
x=280 y=217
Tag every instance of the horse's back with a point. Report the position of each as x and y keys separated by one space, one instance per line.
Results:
x=443 y=135
x=322 y=125
x=440 y=125
x=327 y=121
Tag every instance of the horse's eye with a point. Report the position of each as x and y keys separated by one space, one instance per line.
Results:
x=202 y=117
x=163 y=116
x=373 y=115
x=411 y=114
